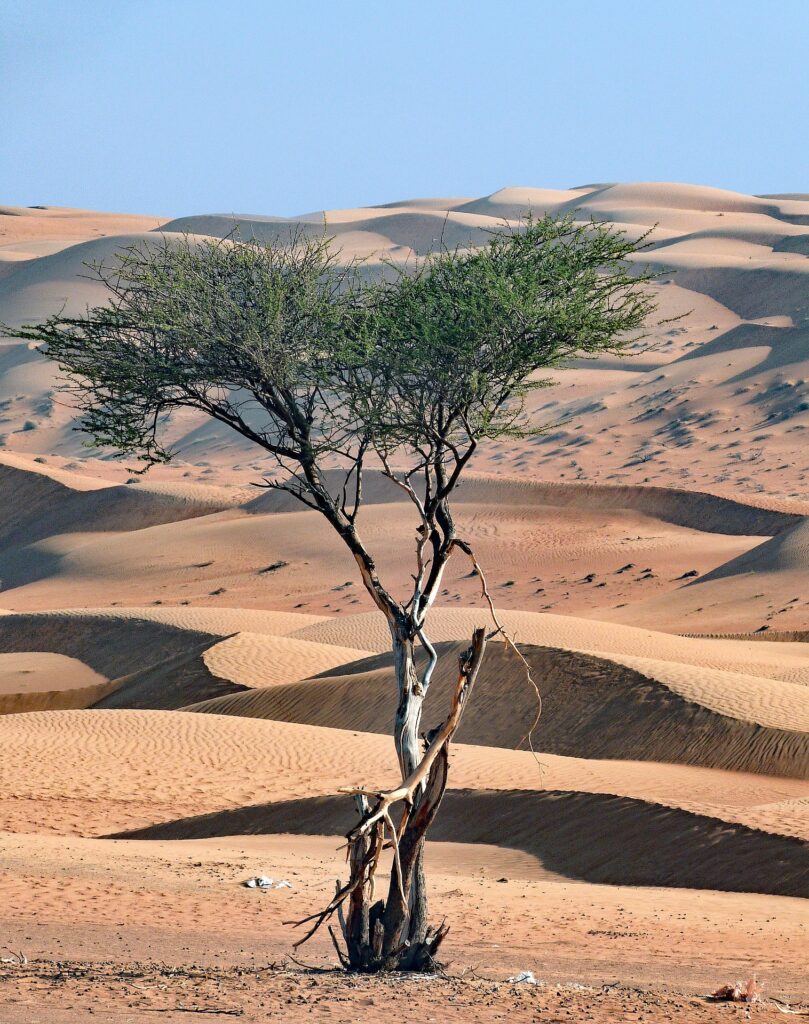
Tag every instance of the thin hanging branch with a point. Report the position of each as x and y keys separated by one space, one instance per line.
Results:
x=464 y=546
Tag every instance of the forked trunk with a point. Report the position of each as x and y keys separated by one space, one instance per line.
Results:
x=393 y=934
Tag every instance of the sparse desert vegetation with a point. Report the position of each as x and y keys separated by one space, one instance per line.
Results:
x=191 y=670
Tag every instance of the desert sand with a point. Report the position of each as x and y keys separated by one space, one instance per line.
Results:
x=190 y=669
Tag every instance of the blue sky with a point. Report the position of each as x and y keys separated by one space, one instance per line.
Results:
x=190 y=106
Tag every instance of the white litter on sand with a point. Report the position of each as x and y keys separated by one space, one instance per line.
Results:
x=524 y=978
x=263 y=882
x=259 y=882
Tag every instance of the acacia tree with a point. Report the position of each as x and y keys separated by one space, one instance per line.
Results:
x=328 y=375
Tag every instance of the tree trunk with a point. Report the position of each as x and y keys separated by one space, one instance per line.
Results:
x=392 y=934
x=407 y=724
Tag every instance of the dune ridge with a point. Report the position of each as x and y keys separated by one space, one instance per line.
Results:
x=27 y=683
x=35 y=504
x=775 y=571
x=111 y=645
x=259 y=660
x=753 y=516
x=575 y=835
x=572 y=633
x=591 y=707
x=98 y=772
x=168 y=684
x=737 y=262
x=144 y=657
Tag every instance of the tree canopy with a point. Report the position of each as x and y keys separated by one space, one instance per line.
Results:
x=310 y=361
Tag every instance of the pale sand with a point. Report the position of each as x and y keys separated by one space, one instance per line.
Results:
x=701 y=421
x=753 y=657
x=665 y=760
x=259 y=660
x=542 y=550
x=34 y=672
x=108 y=771
x=773 y=703
x=598 y=707
x=215 y=621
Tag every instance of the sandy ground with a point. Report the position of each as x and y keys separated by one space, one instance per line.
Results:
x=123 y=993
x=184 y=902
x=190 y=670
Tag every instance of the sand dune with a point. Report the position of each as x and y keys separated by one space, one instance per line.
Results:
x=120 y=641
x=215 y=621
x=697 y=198
x=168 y=684
x=28 y=229
x=417 y=230
x=261 y=660
x=693 y=510
x=766 y=702
x=32 y=672
x=576 y=634
x=576 y=835
x=32 y=221
x=154 y=661
x=736 y=261
x=572 y=556
x=788 y=552
x=41 y=681
x=606 y=707
x=764 y=588
x=181 y=660
x=121 y=769
x=37 y=503
x=63 y=280
x=41 y=472
x=111 y=645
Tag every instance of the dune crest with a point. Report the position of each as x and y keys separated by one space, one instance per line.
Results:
x=733 y=262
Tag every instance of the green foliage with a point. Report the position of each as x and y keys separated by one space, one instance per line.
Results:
x=459 y=342
x=244 y=332
x=294 y=352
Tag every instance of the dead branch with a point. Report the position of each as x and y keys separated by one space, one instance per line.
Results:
x=466 y=547
x=406 y=792
x=421 y=793
x=219 y=1011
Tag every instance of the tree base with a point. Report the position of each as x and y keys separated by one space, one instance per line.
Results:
x=392 y=935
x=416 y=957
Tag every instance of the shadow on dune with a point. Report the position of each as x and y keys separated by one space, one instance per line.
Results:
x=586 y=836
x=169 y=684
x=34 y=506
x=696 y=510
x=591 y=707
x=20 y=566
x=163 y=666
x=115 y=647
